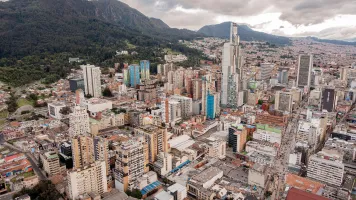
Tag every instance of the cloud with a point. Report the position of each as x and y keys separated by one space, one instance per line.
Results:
x=296 y=16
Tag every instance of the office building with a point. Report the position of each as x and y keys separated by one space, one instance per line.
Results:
x=327 y=166
x=134 y=75
x=131 y=163
x=54 y=109
x=212 y=105
x=231 y=62
x=156 y=138
x=87 y=179
x=145 y=69
x=82 y=151
x=237 y=137
x=328 y=99
x=233 y=91
x=50 y=161
x=283 y=76
x=283 y=101
x=266 y=71
x=92 y=82
x=76 y=83
x=78 y=122
x=305 y=66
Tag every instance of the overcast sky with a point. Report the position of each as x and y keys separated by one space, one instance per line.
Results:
x=333 y=19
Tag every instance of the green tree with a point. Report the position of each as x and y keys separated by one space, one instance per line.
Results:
x=12 y=103
x=44 y=190
x=260 y=102
x=107 y=92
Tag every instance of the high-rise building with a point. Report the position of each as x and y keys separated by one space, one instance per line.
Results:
x=328 y=99
x=156 y=138
x=79 y=97
x=186 y=105
x=101 y=151
x=231 y=63
x=82 y=151
x=78 y=122
x=305 y=66
x=131 y=163
x=126 y=77
x=237 y=137
x=283 y=76
x=134 y=74
x=92 y=82
x=266 y=71
x=171 y=111
x=233 y=91
x=76 y=83
x=163 y=163
x=283 y=101
x=212 y=105
x=327 y=166
x=344 y=73
x=145 y=69
x=197 y=86
x=90 y=178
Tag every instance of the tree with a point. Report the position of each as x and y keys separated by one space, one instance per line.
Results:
x=33 y=97
x=136 y=193
x=260 y=102
x=88 y=96
x=65 y=110
x=12 y=103
x=44 y=190
x=107 y=92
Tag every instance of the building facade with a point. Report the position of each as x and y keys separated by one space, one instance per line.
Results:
x=92 y=82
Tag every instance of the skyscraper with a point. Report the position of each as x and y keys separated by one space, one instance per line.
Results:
x=283 y=101
x=145 y=69
x=79 y=122
x=305 y=66
x=134 y=71
x=82 y=151
x=231 y=63
x=92 y=82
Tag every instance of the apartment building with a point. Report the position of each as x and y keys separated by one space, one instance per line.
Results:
x=131 y=163
x=92 y=82
x=216 y=148
x=82 y=151
x=90 y=178
x=156 y=138
x=78 y=122
x=186 y=105
x=163 y=165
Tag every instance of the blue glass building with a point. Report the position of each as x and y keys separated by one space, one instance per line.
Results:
x=145 y=69
x=134 y=72
x=210 y=106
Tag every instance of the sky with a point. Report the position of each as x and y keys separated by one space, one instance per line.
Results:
x=329 y=19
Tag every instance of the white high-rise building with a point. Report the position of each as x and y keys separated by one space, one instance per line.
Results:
x=79 y=122
x=231 y=63
x=305 y=66
x=92 y=82
x=186 y=105
x=266 y=71
x=91 y=178
x=326 y=166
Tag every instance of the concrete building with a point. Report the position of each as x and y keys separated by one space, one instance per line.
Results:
x=50 y=161
x=156 y=138
x=92 y=82
x=95 y=106
x=326 y=166
x=90 y=178
x=269 y=133
x=283 y=101
x=231 y=62
x=198 y=184
x=266 y=71
x=178 y=191
x=328 y=99
x=54 y=109
x=186 y=105
x=283 y=76
x=261 y=147
x=163 y=164
x=145 y=69
x=237 y=137
x=196 y=87
x=257 y=175
x=101 y=151
x=216 y=148
x=131 y=163
x=82 y=151
x=171 y=111
x=305 y=65
x=78 y=122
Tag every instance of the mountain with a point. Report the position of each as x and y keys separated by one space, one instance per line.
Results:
x=36 y=26
x=338 y=42
x=246 y=33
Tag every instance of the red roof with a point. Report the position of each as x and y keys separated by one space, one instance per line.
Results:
x=295 y=194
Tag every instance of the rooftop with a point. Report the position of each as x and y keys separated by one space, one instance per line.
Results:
x=304 y=184
x=207 y=174
x=295 y=194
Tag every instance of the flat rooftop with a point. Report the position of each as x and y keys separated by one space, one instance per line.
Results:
x=207 y=174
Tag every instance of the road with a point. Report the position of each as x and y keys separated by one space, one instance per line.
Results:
x=7 y=196
x=32 y=160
